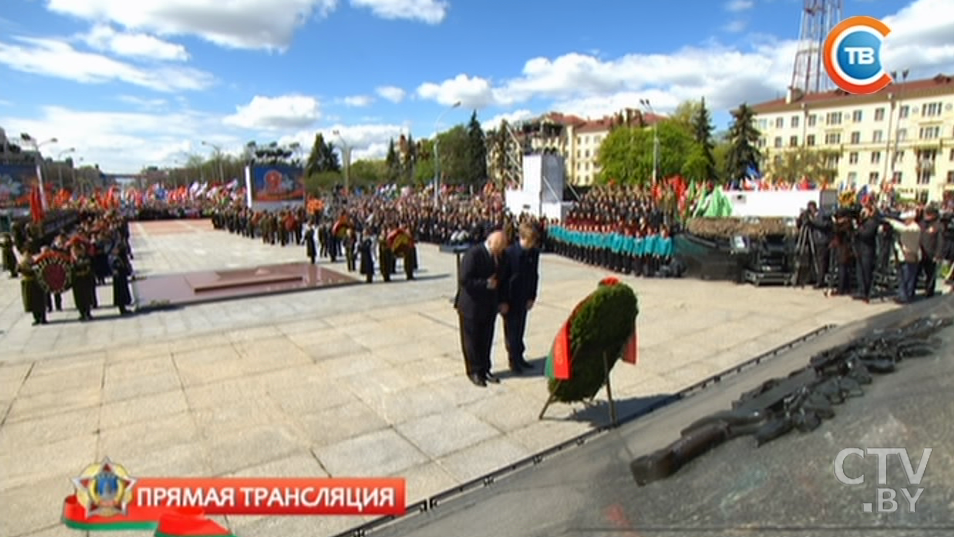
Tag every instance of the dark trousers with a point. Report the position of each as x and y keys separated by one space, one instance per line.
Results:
x=844 y=278
x=928 y=267
x=822 y=263
x=476 y=338
x=866 y=263
x=515 y=325
x=909 y=282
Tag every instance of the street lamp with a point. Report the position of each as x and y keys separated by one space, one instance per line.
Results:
x=59 y=167
x=29 y=140
x=897 y=128
x=218 y=157
x=346 y=158
x=437 y=155
x=645 y=103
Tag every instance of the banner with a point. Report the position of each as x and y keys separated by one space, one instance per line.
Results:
x=272 y=184
x=15 y=185
x=108 y=498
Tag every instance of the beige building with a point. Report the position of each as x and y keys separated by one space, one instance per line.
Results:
x=576 y=139
x=903 y=135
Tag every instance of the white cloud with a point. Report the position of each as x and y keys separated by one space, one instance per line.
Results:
x=736 y=26
x=243 y=24
x=366 y=141
x=276 y=113
x=142 y=103
x=391 y=93
x=736 y=6
x=725 y=76
x=509 y=117
x=53 y=58
x=104 y=38
x=358 y=101
x=429 y=11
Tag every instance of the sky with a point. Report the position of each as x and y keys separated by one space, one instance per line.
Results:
x=133 y=83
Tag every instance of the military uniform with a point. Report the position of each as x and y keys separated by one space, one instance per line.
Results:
x=367 y=261
x=9 y=257
x=32 y=294
x=84 y=286
x=385 y=259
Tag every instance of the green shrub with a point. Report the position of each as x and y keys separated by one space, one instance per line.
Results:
x=603 y=324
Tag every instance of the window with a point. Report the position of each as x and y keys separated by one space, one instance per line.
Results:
x=578 y=153
x=856 y=137
x=877 y=137
x=578 y=166
x=876 y=157
x=794 y=121
x=950 y=177
x=833 y=138
x=879 y=114
x=852 y=177
x=903 y=111
x=873 y=178
x=922 y=196
x=586 y=153
x=856 y=116
x=810 y=140
x=931 y=109
x=778 y=141
x=952 y=156
x=833 y=118
x=586 y=139
x=763 y=123
x=853 y=157
x=896 y=178
x=779 y=122
x=761 y=142
x=902 y=135
x=793 y=141
x=586 y=166
x=924 y=177
x=812 y=119
x=597 y=139
x=930 y=133
x=899 y=156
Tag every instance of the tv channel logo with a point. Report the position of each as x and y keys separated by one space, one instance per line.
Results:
x=853 y=55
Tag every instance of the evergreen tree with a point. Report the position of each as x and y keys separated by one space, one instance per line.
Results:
x=393 y=162
x=322 y=158
x=743 y=150
x=476 y=157
x=702 y=132
x=410 y=160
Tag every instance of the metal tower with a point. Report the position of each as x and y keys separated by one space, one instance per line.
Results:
x=819 y=17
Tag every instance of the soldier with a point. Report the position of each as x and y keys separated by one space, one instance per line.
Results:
x=31 y=293
x=385 y=257
x=349 y=245
x=9 y=256
x=309 y=239
x=84 y=285
x=122 y=270
x=365 y=249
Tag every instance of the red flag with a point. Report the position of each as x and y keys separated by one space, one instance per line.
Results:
x=631 y=350
x=562 y=358
x=36 y=205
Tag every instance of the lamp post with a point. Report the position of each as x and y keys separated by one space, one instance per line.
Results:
x=27 y=139
x=345 y=158
x=59 y=167
x=648 y=106
x=897 y=128
x=218 y=158
x=437 y=155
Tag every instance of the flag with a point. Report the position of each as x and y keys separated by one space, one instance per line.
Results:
x=36 y=204
x=558 y=366
x=631 y=350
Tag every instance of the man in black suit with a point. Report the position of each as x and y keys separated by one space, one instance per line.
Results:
x=477 y=303
x=522 y=274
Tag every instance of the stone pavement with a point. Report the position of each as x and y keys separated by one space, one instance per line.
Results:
x=357 y=381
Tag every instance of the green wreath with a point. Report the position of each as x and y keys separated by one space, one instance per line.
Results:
x=601 y=325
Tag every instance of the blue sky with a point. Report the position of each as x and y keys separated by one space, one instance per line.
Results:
x=136 y=83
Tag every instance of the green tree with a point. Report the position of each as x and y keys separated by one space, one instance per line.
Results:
x=743 y=150
x=686 y=112
x=794 y=164
x=368 y=172
x=321 y=182
x=424 y=170
x=702 y=132
x=323 y=157
x=626 y=154
x=452 y=152
x=498 y=140
x=476 y=154
x=393 y=161
x=410 y=161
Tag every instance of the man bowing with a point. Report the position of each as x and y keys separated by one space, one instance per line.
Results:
x=477 y=303
x=521 y=270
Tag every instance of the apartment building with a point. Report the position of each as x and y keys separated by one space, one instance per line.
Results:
x=577 y=139
x=902 y=136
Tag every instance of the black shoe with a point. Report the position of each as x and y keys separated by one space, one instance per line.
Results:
x=525 y=365
x=489 y=377
x=477 y=381
x=516 y=369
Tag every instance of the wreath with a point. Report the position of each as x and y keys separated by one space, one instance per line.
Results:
x=400 y=241
x=341 y=227
x=54 y=271
x=602 y=325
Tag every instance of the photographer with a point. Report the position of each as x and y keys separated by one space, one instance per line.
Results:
x=819 y=228
x=909 y=239
x=930 y=242
x=842 y=246
x=866 y=248
x=947 y=248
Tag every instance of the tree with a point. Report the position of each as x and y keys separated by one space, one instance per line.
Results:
x=626 y=154
x=702 y=132
x=794 y=164
x=743 y=150
x=322 y=158
x=410 y=161
x=393 y=161
x=424 y=171
x=686 y=112
x=453 y=154
x=368 y=172
x=476 y=153
x=498 y=140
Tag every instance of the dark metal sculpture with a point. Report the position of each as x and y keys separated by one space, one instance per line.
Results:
x=800 y=401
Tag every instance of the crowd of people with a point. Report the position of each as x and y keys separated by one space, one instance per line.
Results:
x=91 y=253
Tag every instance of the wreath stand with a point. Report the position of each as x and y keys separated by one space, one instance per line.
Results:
x=609 y=396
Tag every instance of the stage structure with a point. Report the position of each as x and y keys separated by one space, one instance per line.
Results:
x=274 y=186
x=779 y=203
x=818 y=19
x=541 y=192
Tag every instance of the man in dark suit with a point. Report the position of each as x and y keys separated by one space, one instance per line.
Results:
x=519 y=291
x=477 y=303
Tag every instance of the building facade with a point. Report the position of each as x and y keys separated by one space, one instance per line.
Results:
x=902 y=136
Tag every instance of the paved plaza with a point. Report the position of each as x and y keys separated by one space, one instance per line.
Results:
x=365 y=380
